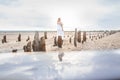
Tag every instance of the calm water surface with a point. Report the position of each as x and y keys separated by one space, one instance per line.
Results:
x=75 y=65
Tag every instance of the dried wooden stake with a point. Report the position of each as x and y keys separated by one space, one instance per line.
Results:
x=19 y=37
x=60 y=41
x=45 y=35
x=55 y=42
x=84 y=37
x=75 y=38
x=79 y=36
x=70 y=40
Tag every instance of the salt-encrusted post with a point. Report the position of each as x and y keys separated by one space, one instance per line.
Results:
x=19 y=37
x=60 y=41
x=28 y=38
x=42 y=45
x=55 y=42
x=36 y=42
x=27 y=48
x=4 y=40
x=75 y=38
x=70 y=40
x=79 y=36
x=45 y=35
x=84 y=37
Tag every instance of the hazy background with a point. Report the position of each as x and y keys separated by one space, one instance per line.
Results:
x=43 y=14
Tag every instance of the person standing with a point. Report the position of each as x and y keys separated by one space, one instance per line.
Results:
x=60 y=36
x=60 y=32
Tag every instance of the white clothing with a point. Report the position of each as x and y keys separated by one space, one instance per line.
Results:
x=60 y=32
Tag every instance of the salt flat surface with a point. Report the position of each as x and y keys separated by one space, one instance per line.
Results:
x=105 y=43
x=46 y=66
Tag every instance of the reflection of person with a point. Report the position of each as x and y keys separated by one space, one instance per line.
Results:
x=61 y=54
x=60 y=33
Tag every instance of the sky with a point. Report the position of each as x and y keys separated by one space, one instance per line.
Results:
x=43 y=14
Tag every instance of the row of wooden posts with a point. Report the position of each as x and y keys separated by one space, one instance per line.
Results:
x=38 y=44
x=100 y=36
x=4 y=40
x=77 y=37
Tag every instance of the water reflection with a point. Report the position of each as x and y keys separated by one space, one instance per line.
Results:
x=61 y=66
x=60 y=54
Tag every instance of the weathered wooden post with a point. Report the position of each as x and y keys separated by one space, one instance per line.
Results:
x=89 y=37
x=103 y=34
x=28 y=38
x=19 y=37
x=92 y=38
x=70 y=40
x=4 y=40
x=27 y=48
x=55 y=42
x=75 y=38
x=14 y=50
x=95 y=37
x=60 y=41
x=84 y=37
x=99 y=37
x=45 y=35
x=36 y=42
x=42 y=46
x=33 y=46
x=38 y=45
x=79 y=36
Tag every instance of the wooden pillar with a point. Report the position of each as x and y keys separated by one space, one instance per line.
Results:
x=60 y=41
x=84 y=37
x=79 y=36
x=45 y=35
x=36 y=42
x=55 y=41
x=42 y=46
x=75 y=38
x=19 y=37
x=27 y=48
x=28 y=38
x=70 y=40
x=4 y=40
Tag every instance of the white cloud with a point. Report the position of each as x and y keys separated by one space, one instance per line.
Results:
x=43 y=14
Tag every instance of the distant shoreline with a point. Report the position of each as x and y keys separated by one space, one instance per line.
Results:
x=55 y=31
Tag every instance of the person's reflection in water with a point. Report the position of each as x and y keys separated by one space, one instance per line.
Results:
x=60 y=54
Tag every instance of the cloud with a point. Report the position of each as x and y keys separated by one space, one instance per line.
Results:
x=42 y=14
x=111 y=19
x=8 y=2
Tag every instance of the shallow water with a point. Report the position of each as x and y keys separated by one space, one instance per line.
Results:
x=75 y=65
